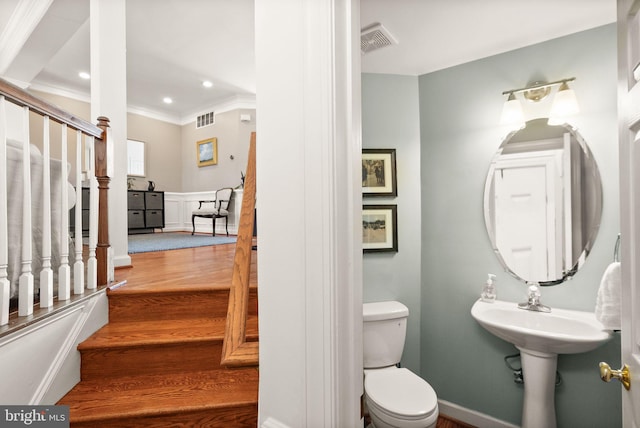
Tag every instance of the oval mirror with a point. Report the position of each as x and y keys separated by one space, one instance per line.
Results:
x=543 y=202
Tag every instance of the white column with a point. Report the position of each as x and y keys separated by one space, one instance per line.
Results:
x=308 y=96
x=109 y=98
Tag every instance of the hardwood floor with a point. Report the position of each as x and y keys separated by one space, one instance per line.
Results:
x=445 y=421
x=184 y=268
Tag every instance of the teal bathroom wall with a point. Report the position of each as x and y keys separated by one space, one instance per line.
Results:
x=459 y=134
x=390 y=120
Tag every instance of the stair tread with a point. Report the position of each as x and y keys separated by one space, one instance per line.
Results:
x=158 y=394
x=120 y=335
x=172 y=288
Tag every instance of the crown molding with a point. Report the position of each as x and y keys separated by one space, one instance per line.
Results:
x=232 y=103
x=60 y=91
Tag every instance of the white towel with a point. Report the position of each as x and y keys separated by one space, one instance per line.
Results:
x=608 y=300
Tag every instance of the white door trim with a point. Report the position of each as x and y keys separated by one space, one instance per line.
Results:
x=308 y=172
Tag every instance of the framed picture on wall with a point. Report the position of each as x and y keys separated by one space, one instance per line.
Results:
x=379 y=228
x=207 y=152
x=379 y=172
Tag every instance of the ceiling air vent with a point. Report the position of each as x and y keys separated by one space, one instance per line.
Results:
x=205 y=120
x=375 y=36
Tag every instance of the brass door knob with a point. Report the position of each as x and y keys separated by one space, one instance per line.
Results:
x=606 y=374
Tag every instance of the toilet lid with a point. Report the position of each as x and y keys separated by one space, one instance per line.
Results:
x=400 y=392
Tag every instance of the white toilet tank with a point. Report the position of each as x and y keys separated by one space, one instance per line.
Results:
x=384 y=331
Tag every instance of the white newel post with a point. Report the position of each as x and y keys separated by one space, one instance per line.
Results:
x=64 y=271
x=46 y=274
x=4 y=246
x=25 y=287
x=78 y=266
x=92 y=263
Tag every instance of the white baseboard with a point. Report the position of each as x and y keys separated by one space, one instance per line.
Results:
x=124 y=260
x=471 y=417
x=273 y=423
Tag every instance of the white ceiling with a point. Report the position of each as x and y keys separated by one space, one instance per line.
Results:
x=173 y=45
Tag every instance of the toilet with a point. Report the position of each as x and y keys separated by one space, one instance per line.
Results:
x=395 y=397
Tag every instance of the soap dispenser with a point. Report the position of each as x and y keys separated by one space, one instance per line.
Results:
x=489 y=290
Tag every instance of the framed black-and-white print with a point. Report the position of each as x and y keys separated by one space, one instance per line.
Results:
x=379 y=228
x=379 y=172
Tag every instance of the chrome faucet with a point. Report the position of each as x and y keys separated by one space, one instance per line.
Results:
x=533 y=300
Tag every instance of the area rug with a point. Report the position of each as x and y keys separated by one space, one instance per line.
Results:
x=145 y=243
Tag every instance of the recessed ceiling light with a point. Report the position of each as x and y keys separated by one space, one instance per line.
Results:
x=167 y=100
x=84 y=75
x=207 y=84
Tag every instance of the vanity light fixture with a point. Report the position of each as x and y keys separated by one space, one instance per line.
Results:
x=512 y=112
x=564 y=103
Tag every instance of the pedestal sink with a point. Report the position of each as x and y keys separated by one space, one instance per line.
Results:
x=540 y=337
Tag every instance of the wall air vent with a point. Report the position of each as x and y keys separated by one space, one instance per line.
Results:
x=375 y=36
x=205 y=120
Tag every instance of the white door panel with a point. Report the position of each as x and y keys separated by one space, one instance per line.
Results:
x=629 y=115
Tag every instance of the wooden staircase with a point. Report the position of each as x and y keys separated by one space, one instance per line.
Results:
x=181 y=345
x=157 y=363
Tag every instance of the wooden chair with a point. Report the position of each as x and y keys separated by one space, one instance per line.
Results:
x=220 y=209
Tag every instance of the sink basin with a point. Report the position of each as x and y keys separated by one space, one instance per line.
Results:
x=540 y=337
x=562 y=331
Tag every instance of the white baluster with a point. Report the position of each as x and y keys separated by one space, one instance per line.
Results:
x=4 y=247
x=92 y=262
x=46 y=274
x=25 y=287
x=64 y=271
x=78 y=266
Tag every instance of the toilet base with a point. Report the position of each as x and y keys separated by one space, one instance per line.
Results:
x=373 y=421
x=409 y=424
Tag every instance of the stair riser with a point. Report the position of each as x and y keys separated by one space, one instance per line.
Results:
x=168 y=306
x=150 y=359
x=236 y=417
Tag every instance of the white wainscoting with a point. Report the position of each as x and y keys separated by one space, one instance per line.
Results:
x=40 y=363
x=179 y=206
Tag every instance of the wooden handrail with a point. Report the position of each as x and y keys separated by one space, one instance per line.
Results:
x=236 y=350
x=23 y=98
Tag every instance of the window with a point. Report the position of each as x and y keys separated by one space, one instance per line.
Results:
x=135 y=158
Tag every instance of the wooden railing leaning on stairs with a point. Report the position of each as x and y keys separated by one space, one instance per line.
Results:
x=96 y=174
x=236 y=350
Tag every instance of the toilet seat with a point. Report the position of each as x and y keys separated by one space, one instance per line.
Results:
x=400 y=394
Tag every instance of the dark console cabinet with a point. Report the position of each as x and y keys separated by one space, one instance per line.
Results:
x=145 y=211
